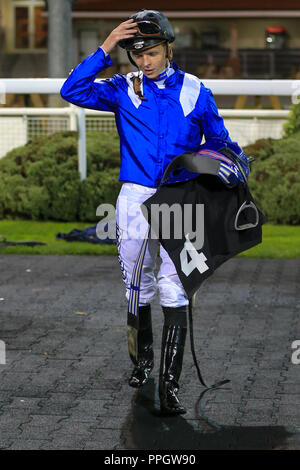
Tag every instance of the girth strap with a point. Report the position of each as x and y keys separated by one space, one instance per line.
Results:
x=133 y=302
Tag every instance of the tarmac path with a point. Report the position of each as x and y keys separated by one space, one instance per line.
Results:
x=64 y=381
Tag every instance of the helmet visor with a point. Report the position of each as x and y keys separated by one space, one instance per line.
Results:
x=148 y=28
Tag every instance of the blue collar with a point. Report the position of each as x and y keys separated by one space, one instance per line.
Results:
x=171 y=79
x=164 y=74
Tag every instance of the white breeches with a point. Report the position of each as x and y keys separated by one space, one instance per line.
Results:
x=131 y=229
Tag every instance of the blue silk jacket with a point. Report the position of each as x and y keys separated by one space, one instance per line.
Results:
x=170 y=121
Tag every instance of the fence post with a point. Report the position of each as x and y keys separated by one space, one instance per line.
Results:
x=2 y=352
x=81 y=143
x=73 y=117
x=26 y=125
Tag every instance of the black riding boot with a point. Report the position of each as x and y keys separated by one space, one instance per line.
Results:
x=173 y=341
x=142 y=370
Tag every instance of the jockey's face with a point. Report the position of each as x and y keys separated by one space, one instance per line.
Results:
x=151 y=61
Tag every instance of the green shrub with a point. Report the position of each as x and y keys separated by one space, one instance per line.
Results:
x=261 y=149
x=292 y=125
x=109 y=147
x=95 y=191
x=275 y=179
x=41 y=181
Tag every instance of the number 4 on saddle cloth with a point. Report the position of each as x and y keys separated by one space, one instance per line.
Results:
x=211 y=217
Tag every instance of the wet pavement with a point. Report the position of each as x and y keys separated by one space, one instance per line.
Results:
x=64 y=383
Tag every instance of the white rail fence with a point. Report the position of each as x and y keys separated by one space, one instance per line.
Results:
x=19 y=125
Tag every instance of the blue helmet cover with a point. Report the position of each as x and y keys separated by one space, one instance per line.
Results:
x=233 y=162
x=228 y=153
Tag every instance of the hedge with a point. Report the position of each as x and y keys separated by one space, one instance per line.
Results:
x=40 y=180
x=275 y=178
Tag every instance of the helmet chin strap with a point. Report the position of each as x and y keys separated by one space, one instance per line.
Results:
x=131 y=59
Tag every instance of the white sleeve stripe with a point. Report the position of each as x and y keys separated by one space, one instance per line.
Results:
x=189 y=93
